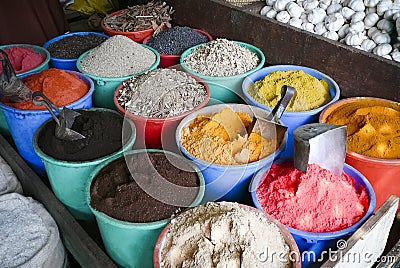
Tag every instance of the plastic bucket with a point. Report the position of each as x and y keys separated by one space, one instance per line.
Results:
x=293 y=249
x=66 y=64
x=227 y=182
x=225 y=89
x=24 y=123
x=68 y=179
x=291 y=119
x=4 y=130
x=383 y=174
x=171 y=60
x=132 y=244
x=136 y=36
x=312 y=244
x=105 y=86
x=158 y=133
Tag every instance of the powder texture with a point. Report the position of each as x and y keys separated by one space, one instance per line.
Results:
x=221 y=138
x=373 y=127
x=23 y=59
x=311 y=93
x=60 y=87
x=316 y=201
x=222 y=235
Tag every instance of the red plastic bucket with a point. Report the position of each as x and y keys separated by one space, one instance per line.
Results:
x=171 y=60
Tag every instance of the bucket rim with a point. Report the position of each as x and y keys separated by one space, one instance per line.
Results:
x=96 y=161
x=121 y=78
x=289 y=67
x=250 y=47
x=145 y=225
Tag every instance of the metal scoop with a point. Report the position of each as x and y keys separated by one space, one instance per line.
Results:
x=322 y=144
x=11 y=86
x=64 y=122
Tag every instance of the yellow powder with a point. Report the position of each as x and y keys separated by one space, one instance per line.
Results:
x=219 y=138
x=311 y=93
x=373 y=127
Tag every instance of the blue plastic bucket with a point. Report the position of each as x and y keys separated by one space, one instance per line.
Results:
x=291 y=119
x=4 y=130
x=66 y=64
x=24 y=123
x=311 y=244
x=227 y=182
x=68 y=178
x=132 y=244
x=105 y=87
x=225 y=89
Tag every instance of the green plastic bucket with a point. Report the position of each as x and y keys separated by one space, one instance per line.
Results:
x=104 y=87
x=225 y=89
x=68 y=179
x=132 y=244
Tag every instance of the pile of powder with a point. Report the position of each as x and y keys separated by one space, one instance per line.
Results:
x=373 y=127
x=61 y=87
x=175 y=40
x=221 y=138
x=223 y=235
x=315 y=201
x=311 y=93
x=23 y=59
x=116 y=57
x=161 y=93
x=72 y=46
x=221 y=57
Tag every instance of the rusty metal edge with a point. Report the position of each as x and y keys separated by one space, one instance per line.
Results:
x=82 y=247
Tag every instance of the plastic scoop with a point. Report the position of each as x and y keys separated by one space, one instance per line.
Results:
x=64 y=122
x=322 y=144
x=11 y=86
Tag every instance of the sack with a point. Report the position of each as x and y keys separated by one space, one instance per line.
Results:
x=9 y=183
x=90 y=7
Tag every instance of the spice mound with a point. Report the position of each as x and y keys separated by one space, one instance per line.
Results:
x=221 y=57
x=71 y=47
x=104 y=131
x=116 y=57
x=223 y=235
x=221 y=138
x=175 y=40
x=61 y=87
x=23 y=59
x=311 y=93
x=144 y=187
x=315 y=201
x=161 y=93
x=373 y=127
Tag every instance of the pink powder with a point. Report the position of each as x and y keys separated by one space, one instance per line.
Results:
x=316 y=201
x=23 y=59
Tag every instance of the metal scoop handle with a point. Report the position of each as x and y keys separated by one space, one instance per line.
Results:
x=39 y=99
x=287 y=93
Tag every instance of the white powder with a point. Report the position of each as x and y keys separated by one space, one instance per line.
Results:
x=223 y=235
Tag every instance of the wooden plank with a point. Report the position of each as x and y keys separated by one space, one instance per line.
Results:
x=358 y=73
x=366 y=245
x=82 y=247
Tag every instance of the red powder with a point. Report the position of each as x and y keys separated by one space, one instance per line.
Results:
x=23 y=59
x=316 y=201
x=61 y=87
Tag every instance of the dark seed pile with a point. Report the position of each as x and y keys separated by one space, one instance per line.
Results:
x=175 y=40
x=71 y=47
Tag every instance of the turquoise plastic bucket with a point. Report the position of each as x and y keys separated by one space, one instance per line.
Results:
x=68 y=179
x=292 y=119
x=132 y=244
x=105 y=87
x=227 y=182
x=226 y=89
x=24 y=123
x=4 y=130
x=66 y=64
x=315 y=243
